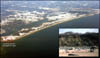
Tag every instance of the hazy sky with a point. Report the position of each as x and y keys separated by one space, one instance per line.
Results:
x=78 y=30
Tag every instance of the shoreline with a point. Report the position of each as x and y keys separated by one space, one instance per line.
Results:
x=52 y=24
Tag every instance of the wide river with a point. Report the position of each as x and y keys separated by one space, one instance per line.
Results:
x=45 y=42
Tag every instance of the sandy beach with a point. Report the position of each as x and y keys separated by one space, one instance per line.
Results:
x=80 y=54
x=57 y=22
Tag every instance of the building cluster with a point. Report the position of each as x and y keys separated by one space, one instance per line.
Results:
x=25 y=16
x=61 y=16
x=10 y=38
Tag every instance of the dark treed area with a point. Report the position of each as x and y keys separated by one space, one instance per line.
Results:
x=78 y=39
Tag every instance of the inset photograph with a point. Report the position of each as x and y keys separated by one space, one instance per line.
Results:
x=78 y=42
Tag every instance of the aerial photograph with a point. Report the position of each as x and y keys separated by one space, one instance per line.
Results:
x=31 y=28
x=78 y=42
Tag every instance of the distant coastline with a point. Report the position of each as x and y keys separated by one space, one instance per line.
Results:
x=42 y=27
x=52 y=25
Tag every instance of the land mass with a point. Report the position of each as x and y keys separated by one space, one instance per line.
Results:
x=26 y=32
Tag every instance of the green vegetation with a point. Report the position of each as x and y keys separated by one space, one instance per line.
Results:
x=76 y=39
